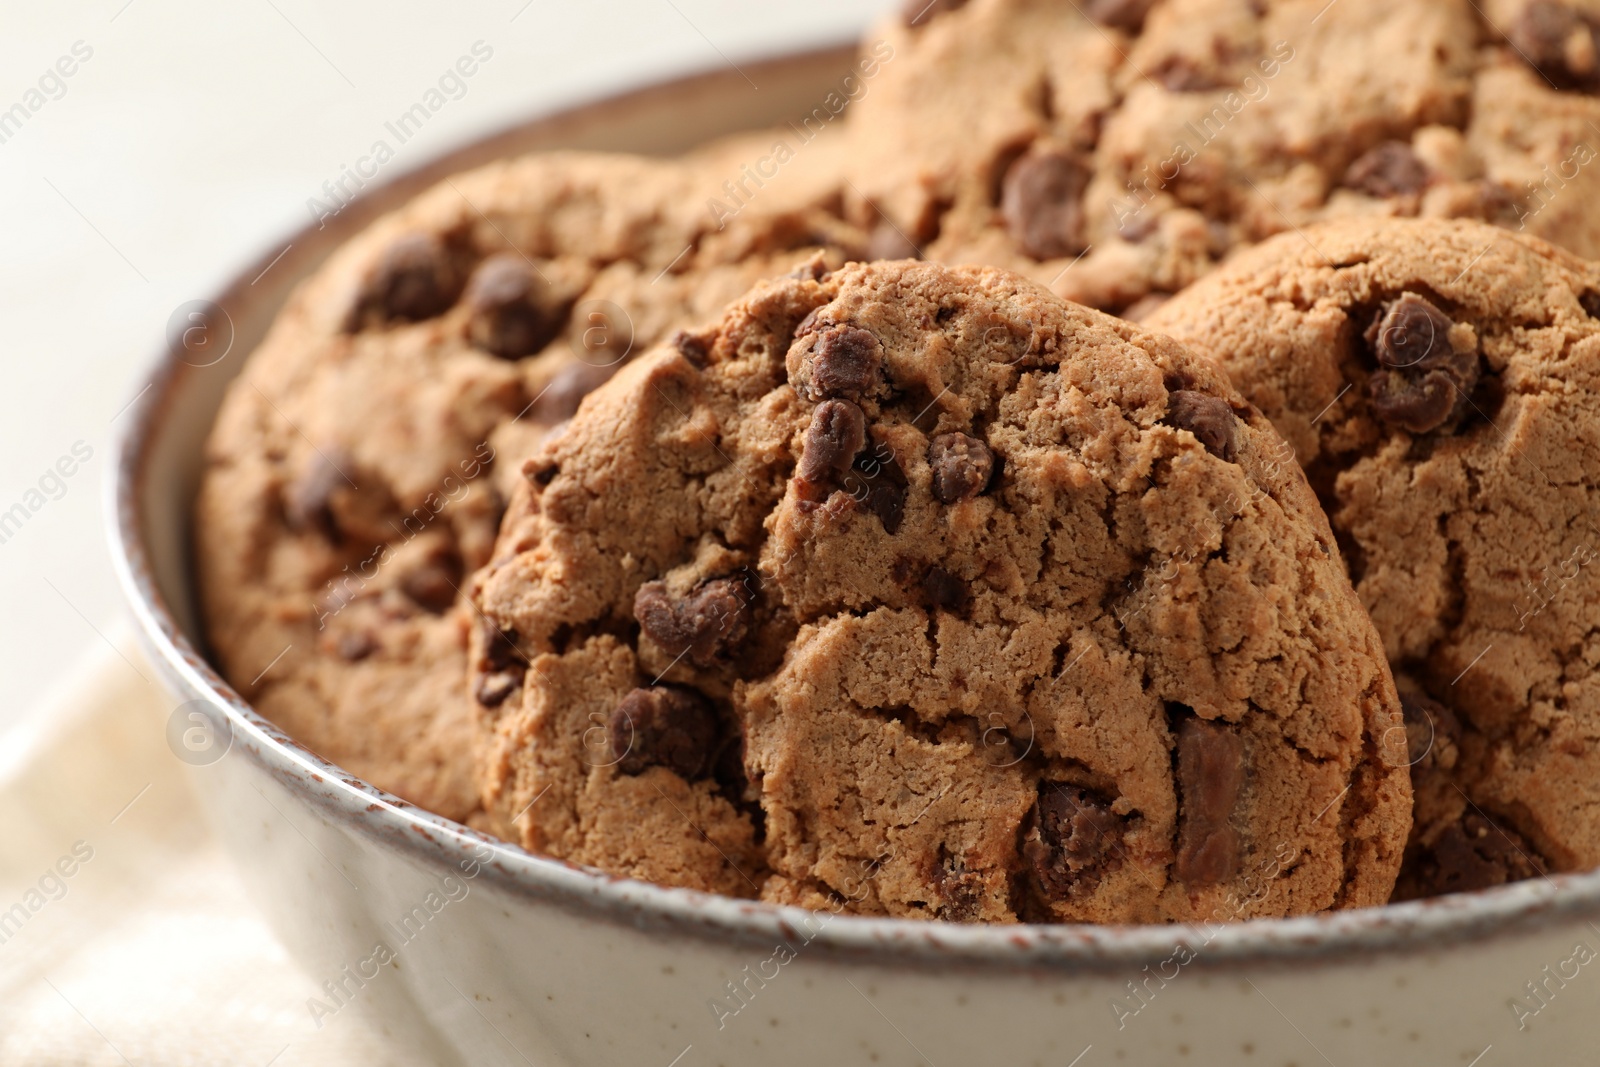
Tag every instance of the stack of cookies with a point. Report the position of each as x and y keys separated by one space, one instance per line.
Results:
x=1138 y=465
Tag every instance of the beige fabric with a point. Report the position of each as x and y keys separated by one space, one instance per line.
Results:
x=149 y=952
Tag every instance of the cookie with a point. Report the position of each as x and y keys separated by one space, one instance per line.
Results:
x=916 y=591
x=359 y=465
x=1440 y=382
x=1118 y=150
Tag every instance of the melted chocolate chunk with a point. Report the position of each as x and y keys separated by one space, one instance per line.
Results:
x=511 y=313
x=1391 y=169
x=433 y=584
x=837 y=433
x=692 y=348
x=962 y=466
x=1590 y=302
x=844 y=361
x=1211 y=420
x=416 y=278
x=945 y=590
x=874 y=481
x=704 y=625
x=1430 y=727
x=667 y=726
x=500 y=649
x=888 y=502
x=1040 y=199
x=1422 y=383
x=308 y=499
x=1210 y=779
x=961 y=890
x=1560 y=42
x=1471 y=853
x=1075 y=841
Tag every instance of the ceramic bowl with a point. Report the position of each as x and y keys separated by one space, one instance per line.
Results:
x=471 y=951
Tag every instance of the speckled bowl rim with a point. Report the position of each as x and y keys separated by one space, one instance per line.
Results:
x=385 y=820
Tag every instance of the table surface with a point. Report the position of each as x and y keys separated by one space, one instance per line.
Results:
x=154 y=146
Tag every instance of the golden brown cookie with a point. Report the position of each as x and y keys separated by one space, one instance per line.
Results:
x=358 y=467
x=915 y=591
x=1440 y=381
x=1117 y=150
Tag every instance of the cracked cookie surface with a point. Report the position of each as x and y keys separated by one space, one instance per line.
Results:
x=1439 y=381
x=358 y=467
x=915 y=591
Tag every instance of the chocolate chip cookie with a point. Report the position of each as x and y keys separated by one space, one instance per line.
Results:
x=1118 y=150
x=358 y=468
x=1440 y=381
x=913 y=590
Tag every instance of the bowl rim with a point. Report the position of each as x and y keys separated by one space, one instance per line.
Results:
x=389 y=821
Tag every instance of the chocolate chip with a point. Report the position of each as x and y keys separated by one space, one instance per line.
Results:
x=559 y=399
x=888 y=241
x=1561 y=43
x=945 y=590
x=308 y=499
x=1589 y=300
x=1075 y=840
x=1182 y=74
x=500 y=651
x=1210 y=778
x=356 y=645
x=813 y=269
x=843 y=361
x=920 y=12
x=1391 y=169
x=961 y=891
x=1040 y=200
x=838 y=431
x=491 y=689
x=1125 y=15
x=415 y=279
x=1210 y=419
x=1419 y=404
x=667 y=726
x=503 y=665
x=704 y=625
x=511 y=313
x=433 y=584
x=962 y=466
x=694 y=349
x=1430 y=727
x=1471 y=853
x=1495 y=203
x=888 y=502
x=1422 y=382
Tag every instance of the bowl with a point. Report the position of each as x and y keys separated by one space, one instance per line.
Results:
x=472 y=951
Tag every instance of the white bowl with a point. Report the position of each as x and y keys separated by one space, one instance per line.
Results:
x=476 y=952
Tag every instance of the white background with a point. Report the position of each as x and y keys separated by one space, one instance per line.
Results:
x=185 y=145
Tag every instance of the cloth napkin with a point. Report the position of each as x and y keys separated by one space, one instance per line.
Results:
x=126 y=937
